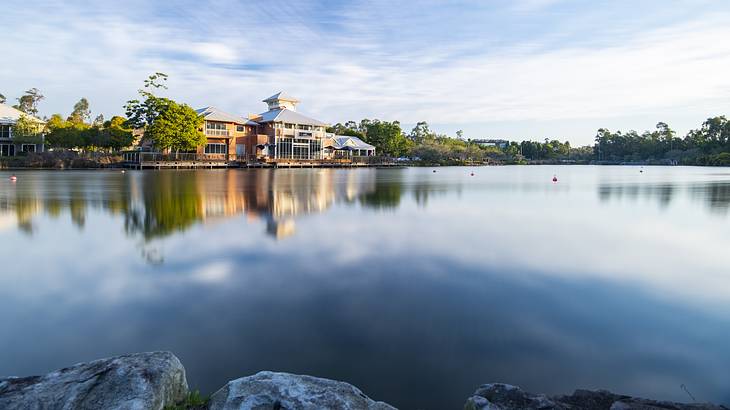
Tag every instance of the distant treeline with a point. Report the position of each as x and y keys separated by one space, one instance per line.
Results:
x=707 y=145
x=176 y=126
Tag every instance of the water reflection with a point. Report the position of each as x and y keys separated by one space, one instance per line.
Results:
x=159 y=204
x=416 y=286
x=714 y=195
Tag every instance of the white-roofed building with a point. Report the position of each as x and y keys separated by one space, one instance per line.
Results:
x=8 y=145
x=291 y=135
x=345 y=146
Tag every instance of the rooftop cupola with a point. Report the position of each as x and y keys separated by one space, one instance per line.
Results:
x=282 y=100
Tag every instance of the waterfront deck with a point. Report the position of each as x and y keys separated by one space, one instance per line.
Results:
x=150 y=160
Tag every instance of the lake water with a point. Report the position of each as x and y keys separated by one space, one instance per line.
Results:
x=414 y=286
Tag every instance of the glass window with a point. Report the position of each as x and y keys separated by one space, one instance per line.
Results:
x=28 y=148
x=4 y=131
x=215 y=125
x=240 y=128
x=216 y=148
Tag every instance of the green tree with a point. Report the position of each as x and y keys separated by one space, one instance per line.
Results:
x=421 y=132
x=27 y=130
x=66 y=134
x=28 y=103
x=2 y=99
x=177 y=127
x=167 y=124
x=387 y=137
x=118 y=136
x=81 y=112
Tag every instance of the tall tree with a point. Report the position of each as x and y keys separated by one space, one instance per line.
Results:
x=99 y=120
x=421 y=132
x=167 y=124
x=28 y=103
x=2 y=99
x=81 y=112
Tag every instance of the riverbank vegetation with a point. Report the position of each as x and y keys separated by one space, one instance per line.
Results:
x=171 y=125
x=707 y=145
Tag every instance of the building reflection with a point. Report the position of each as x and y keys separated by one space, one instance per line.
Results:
x=158 y=204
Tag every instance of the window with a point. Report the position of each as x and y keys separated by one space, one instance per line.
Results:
x=28 y=148
x=7 y=150
x=289 y=126
x=240 y=150
x=240 y=128
x=4 y=131
x=215 y=125
x=216 y=148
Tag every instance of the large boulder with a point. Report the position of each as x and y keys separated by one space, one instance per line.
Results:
x=499 y=396
x=284 y=391
x=130 y=382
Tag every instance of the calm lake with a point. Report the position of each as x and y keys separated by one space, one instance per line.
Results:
x=414 y=286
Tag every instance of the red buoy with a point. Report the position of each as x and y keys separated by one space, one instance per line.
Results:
x=555 y=178
x=13 y=178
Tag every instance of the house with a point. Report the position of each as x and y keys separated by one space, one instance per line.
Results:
x=8 y=146
x=491 y=143
x=290 y=135
x=227 y=134
x=344 y=146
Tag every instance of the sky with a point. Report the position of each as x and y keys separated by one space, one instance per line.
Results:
x=513 y=69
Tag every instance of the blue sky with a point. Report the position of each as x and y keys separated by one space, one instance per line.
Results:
x=515 y=69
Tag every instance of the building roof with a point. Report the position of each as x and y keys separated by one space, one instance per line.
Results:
x=348 y=142
x=288 y=116
x=282 y=96
x=9 y=115
x=214 y=114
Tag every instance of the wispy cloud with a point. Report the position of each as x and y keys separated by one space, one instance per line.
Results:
x=483 y=66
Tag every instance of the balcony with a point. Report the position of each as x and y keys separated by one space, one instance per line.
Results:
x=216 y=133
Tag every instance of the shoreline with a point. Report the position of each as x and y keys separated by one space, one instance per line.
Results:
x=157 y=380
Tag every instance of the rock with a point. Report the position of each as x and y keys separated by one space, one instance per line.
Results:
x=506 y=397
x=274 y=391
x=130 y=382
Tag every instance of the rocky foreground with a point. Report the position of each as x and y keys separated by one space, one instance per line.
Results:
x=157 y=381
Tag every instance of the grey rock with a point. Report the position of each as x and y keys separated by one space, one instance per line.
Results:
x=284 y=391
x=130 y=382
x=499 y=396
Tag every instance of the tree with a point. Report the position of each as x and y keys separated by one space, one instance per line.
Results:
x=460 y=134
x=167 y=124
x=28 y=103
x=99 y=120
x=27 y=130
x=387 y=137
x=421 y=132
x=118 y=136
x=66 y=134
x=177 y=127
x=81 y=112
x=2 y=99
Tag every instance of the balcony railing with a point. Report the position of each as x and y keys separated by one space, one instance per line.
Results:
x=216 y=133
x=139 y=157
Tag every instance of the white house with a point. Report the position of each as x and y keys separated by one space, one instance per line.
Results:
x=8 y=147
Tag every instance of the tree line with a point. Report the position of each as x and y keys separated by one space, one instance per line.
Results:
x=175 y=126
x=707 y=145
x=166 y=123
